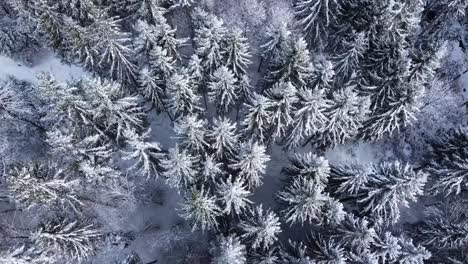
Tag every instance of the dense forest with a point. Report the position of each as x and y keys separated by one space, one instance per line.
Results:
x=233 y=131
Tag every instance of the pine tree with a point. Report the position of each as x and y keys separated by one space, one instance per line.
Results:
x=179 y=168
x=151 y=12
x=303 y=201
x=345 y=115
x=349 y=179
x=262 y=227
x=162 y=63
x=212 y=169
x=200 y=209
x=43 y=185
x=147 y=38
x=357 y=233
x=347 y=63
x=315 y=17
x=448 y=163
x=387 y=247
x=445 y=226
x=412 y=254
x=295 y=67
x=327 y=250
x=224 y=138
x=251 y=163
x=233 y=195
x=222 y=90
x=147 y=155
x=237 y=53
x=182 y=98
x=228 y=249
x=192 y=134
x=73 y=239
x=309 y=117
x=153 y=89
x=258 y=118
x=283 y=98
x=210 y=37
x=391 y=185
x=13 y=42
x=311 y=167
x=277 y=43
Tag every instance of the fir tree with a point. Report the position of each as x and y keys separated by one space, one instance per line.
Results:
x=179 y=168
x=192 y=133
x=211 y=168
x=222 y=90
x=327 y=250
x=237 y=53
x=258 y=118
x=251 y=163
x=347 y=63
x=182 y=98
x=311 y=167
x=73 y=239
x=148 y=155
x=283 y=98
x=224 y=138
x=412 y=254
x=233 y=195
x=277 y=43
x=228 y=249
x=262 y=227
x=153 y=89
x=357 y=233
x=200 y=209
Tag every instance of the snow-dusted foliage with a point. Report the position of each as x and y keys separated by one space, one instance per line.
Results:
x=215 y=131
x=261 y=227
x=228 y=249
x=201 y=210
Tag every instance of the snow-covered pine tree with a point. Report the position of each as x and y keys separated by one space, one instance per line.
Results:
x=311 y=167
x=314 y=18
x=411 y=253
x=345 y=114
x=251 y=163
x=309 y=117
x=14 y=43
x=261 y=227
x=277 y=43
x=147 y=155
x=210 y=40
x=211 y=168
x=295 y=67
x=162 y=63
x=233 y=195
x=448 y=163
x=445 y=226
x=347 y=62
x=356 y=233
x=180 y=168
x=228 y=249
x=258 y=117
x=192 y=133
x=386 y=246
x=147 y=38
x=327 y=250
x=222 y=90
x=74 y=239
x=43 y=185
x=282 y=97
x=390 y=186
x=224 y=139
x=303 y=201
x=182 y=98
x=237 y=53
x=152 y=12
x=295 y=252
x=153 y=89
x=200 y=209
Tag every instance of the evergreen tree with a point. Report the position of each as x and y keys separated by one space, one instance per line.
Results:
x=347 y=63
x=391 y=185
x=251 y=163
x=162 y=63
x=315 y=17
x=228 y=249
x=151 y=12
x=182 y=98
x=357 y=233
x=283 y=98
x=327 y=251
x=311 y=167
x=309 y=117
x=277 y=43
x=233 y=195
x=200 y=209
x=179 y=168
x=258 y=118
x=153 y=89
x=211 y=168
x=43 y=185
x=224 y=138
x=237 y=53
x=192 y=133
x=148 y=155
x=222 y=90
x=412 y=254
x=262 y=227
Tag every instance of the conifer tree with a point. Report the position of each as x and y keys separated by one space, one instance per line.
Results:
x=179 y=168
x=212 y=169
x=192 y=133
x=153 y=89
x=262 y=227
x=311 y=167
x=147 y=155
x=201 y=210
x=222 y=90
x=228 y=249
x=277 y=43
x=74 y=239
x=237 y=53
x=283 y=99
x=182 y=98
x=233 y=195
x=347 y=63
x=357 y=233
x=224 y=138
x=251 y=163
x=258 y=118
